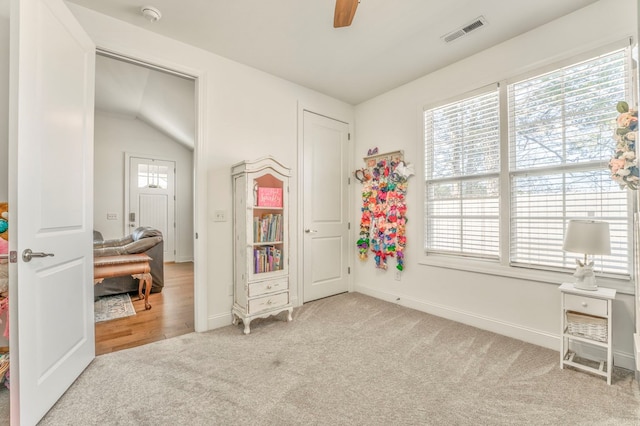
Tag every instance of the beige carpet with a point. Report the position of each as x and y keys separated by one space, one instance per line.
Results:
x=345 y=360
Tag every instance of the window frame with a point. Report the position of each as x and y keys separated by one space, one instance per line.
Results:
x=502 y=266
x=484 y=175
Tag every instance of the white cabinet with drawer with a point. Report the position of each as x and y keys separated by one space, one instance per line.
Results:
x=269 y=302
x=269 y=286
x=586 y=305
x=586 y=319
x=261 y=240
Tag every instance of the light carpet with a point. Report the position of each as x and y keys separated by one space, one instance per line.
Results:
x=112 y=307
x=345 y=360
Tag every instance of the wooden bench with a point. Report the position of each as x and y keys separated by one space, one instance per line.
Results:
x=136 y=265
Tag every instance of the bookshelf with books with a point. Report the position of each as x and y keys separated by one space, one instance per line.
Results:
x=261 y=240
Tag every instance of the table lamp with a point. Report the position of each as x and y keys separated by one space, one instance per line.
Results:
x=588 y=237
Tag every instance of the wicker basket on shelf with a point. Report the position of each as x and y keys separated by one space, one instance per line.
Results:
x=587 y=326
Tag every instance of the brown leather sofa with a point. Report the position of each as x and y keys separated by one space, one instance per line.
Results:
x=145 y=240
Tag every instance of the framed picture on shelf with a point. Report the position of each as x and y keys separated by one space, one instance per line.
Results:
x=269 y=197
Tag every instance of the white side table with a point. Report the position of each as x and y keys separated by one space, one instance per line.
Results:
x=594 y=309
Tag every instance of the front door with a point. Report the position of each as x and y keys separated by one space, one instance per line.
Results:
x=50 y=201
x=325 y=206
x=152 y=198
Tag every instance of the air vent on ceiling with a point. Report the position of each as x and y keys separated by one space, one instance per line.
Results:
x=456 y=34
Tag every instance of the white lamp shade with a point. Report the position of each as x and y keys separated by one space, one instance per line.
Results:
x=588 y=237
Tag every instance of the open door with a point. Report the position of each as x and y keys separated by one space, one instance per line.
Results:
x=50 y=200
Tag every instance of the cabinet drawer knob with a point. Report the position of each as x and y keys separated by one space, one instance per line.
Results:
x=269 y=287
x=584 y=304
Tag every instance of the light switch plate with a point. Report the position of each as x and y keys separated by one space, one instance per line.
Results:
x=112 y=216
x=220 y=216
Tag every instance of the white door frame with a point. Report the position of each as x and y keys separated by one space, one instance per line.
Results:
x=298 y=224
x=199 y=164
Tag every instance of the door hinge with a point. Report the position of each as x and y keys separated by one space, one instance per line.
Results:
x=348 y=181
x=348 y=225
x=348 y=136
x=349 y=270
x=174 y=252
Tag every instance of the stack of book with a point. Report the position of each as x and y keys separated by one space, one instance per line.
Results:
x=267 y=228
x=267 y=259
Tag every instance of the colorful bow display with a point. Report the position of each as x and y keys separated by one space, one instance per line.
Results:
x=383 y=221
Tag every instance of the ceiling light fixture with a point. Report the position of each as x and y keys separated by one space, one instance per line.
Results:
x=151 y=13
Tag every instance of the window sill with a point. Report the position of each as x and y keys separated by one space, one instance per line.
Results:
x=624 y=286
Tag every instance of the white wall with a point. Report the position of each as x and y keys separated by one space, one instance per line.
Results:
x=117 y=135
x=522 y=308
x=248 y=114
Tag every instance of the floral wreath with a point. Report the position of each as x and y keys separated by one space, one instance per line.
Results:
x=624 y=164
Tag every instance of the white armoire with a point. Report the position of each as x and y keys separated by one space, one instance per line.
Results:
x=261 y=240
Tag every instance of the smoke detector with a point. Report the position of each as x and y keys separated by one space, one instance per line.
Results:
x=150 y=13
x=479 y=22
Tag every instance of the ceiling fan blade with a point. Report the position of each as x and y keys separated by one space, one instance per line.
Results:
x=345 y=10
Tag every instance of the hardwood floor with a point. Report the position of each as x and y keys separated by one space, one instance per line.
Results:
x=171 y=314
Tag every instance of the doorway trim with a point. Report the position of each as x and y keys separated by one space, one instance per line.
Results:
x=299 y=222
x=200 y=186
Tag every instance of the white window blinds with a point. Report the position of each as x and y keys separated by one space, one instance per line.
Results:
x=462 y=165
x=560 y=139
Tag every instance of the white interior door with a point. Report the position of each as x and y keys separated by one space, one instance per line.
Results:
x=50 y=198
x=152 y=198
x=325 y=207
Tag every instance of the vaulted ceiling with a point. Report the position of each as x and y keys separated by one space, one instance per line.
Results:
x=163 y=101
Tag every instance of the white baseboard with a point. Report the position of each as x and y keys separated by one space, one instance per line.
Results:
x=182 y=259
x=526 y=334
x=218 y=321
x=636 y=348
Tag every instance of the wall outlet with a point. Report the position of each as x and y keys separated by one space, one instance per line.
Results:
x=220 y=216
x=112 y=216
x=398 y=275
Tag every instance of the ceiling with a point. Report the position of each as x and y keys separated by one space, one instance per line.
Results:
x=389 y=43
x=163 y=101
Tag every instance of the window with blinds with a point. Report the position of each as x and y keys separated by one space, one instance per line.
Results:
x=560 y=140
x=462 y=166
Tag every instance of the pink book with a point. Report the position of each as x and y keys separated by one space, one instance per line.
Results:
x=270 y=197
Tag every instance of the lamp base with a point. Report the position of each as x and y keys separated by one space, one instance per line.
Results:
x=585 y=285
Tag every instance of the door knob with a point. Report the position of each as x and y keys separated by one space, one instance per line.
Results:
x=27 y=255
x=310 y=231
